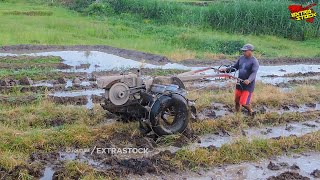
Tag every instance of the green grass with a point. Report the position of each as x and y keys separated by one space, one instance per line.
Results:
x=36 y=68
x=33 y=73
x=126 y=30
x=43 y=114
x=26 y=61
x=269 y=17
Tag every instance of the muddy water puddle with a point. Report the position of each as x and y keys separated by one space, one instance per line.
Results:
x=277 y=73
x=290 y=108
x=216 y=83
x=66 y=156
x=290 y=129
x=302 y=108
x=217 y=110
x=90 y=61
x=78 y=93
x=87 y=94
x=303 y=164
x=279 y=80
x=98 y=61
x=48 y=173
x=70 y=156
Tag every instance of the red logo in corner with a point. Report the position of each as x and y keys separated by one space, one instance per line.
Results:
x=298 y=12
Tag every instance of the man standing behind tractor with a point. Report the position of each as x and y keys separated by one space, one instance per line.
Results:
x=248 y=67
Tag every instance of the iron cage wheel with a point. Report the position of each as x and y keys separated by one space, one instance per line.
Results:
x=169 y=114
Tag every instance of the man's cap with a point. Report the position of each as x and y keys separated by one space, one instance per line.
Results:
x=247 y=47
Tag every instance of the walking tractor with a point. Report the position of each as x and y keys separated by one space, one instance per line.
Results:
x=159 y=103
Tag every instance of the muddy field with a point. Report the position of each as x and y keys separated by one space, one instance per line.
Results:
x=53 y=125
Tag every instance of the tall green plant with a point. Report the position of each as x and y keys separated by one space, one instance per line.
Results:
x=269 y=17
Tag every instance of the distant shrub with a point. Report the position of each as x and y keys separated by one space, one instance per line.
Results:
x=77 y=5
x=210 y=45
x=229 y=46
x=270 y=17
x=99 y=9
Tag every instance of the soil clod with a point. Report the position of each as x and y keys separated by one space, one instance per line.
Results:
x=181 y=141
x=289 y=128
x=288 y=175
x=25 y=81
x=272 y=166
x=309 y=125
x=62 y=80
x=268 y=131
x=294 y=167
x=316 y=173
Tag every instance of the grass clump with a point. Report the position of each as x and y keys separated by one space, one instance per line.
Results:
x=210 y=44
x=9 y=160
x=27 y=62
x=36 y=68
x=34 y=73
x=30 y=60
x=99 y=9
x=47 y=114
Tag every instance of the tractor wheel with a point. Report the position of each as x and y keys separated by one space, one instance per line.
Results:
x=169 y=115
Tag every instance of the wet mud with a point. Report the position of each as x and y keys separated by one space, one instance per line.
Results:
x=217 y=110
x=78 y=100
x=76 y=85
x=156 y=163
x=131 y=54
x=88 y=65
x=288 y=175
x=222 y=137
x=307 y=163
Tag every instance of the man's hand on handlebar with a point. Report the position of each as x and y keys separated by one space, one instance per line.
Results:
x=246 y=82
